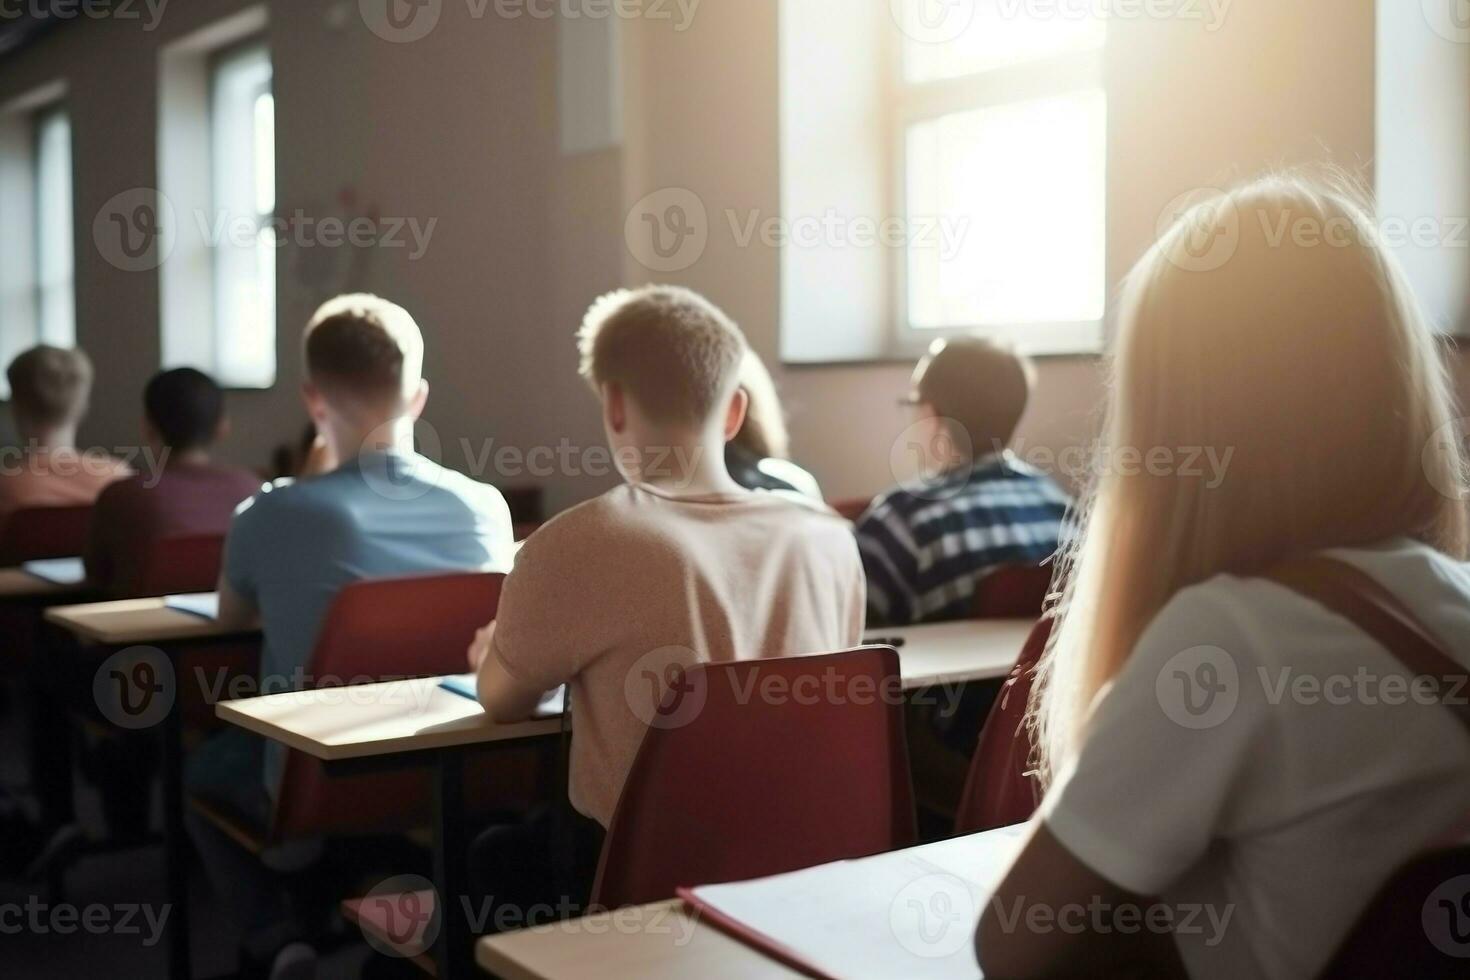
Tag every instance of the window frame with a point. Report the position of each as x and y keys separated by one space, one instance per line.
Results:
x=40 y=118
x=214 y=64
x=912 y=103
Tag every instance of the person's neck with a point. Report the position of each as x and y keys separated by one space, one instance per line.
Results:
x=182 y=457
x=391 y=435
x=55 y=440
x=692 y=466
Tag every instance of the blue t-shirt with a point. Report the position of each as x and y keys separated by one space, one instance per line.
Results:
x=295 y=545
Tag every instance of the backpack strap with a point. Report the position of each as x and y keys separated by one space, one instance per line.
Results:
x=1361 y=600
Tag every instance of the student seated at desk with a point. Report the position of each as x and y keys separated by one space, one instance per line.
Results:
x=1183 y=759
x=384 y=512
x=759 y=457
x=49 y=392
x=925 y=545
x=184 y=415
x=679 y=558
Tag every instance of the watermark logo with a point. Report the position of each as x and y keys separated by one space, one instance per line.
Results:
x=1199 y=687
x=135 y=230
x=1442 y=445
x=934 y=917
x=668 y=230
x=933 y=21
x=148 y=11
x=403 y=476
x=401 y=916
x=1211 y=231
x=930 y=457
x=1446 y=917
x=135 y=688
x=662 y=691
x=1450 y=19
x=401 y=21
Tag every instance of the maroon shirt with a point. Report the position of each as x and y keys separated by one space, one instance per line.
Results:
x=131 y=516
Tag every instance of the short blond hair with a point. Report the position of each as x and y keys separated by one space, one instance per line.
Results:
x=365 y=347
x=675 y=353
x=50 y=386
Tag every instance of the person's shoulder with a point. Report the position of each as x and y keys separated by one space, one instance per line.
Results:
x=1239 y=615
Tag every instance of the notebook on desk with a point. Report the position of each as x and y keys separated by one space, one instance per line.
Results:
x=205 y=605
x=552 y=703
x=911 y=913
x=57 y=571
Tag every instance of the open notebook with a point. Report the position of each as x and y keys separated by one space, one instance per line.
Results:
x=552 y=703
x=58 y=571
x=911 y=913
x=205 y=605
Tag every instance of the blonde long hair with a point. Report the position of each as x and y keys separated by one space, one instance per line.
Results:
x=1269 y=324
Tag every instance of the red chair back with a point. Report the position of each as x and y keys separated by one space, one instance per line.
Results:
x=382 y=630
x=180 y=565
x=755 y=785
x=1418 y=925
x=852 y=508
x=1012 y=592
x=34 y=533
x=998 y=792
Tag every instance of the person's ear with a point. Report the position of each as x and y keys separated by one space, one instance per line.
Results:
x=223 y=429
x=150 y=434
x=418 y=401
x=316 y=404
x=735 y=413
x=614 y=408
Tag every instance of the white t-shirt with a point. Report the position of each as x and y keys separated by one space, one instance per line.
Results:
x=1218 y=776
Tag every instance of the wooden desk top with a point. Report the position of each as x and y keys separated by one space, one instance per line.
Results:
x=135 y=621
x=654 y=942
x=953 y=653
x=665 y=941
x=336 y=724
x=16 y=583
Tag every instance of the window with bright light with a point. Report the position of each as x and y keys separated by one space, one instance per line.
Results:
x=1002 y=146
x=243 y=235
x=55 y=291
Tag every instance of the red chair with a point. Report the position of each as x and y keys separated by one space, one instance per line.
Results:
x=852 y=508
x=34 y=533
x=381 y=630
x=1418 y=925
x=179 y=565
x=998 y=792
x=1012 y=592
x=756 y=786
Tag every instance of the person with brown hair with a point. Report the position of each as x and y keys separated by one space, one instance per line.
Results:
x=926 y=544
x=49 y=393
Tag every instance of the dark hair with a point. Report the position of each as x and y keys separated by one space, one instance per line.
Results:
x=185 y=406
x=50 y=386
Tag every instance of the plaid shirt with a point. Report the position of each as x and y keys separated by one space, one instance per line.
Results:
x=924 y=547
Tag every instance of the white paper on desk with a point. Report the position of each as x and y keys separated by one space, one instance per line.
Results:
x=906 y=914
x=205 y=605
x=58 y=571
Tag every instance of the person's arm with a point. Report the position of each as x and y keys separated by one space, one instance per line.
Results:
x=1048 y=884
x=505 y=698
x=1150 y=790
x=236 y=612
x=533 y=646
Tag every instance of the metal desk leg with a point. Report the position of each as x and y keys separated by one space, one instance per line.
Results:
x=176 y=845
x=455 y=954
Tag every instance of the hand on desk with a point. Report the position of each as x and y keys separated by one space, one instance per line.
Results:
x=480 y=646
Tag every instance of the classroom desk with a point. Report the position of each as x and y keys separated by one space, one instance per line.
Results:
x=149 y=622
x=17 y=583
x=956 y=653
x=666 y=940
x=673 y=946
x=398 y=718
x=131 y=622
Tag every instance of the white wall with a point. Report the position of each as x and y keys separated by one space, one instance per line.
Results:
x=463 y=127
